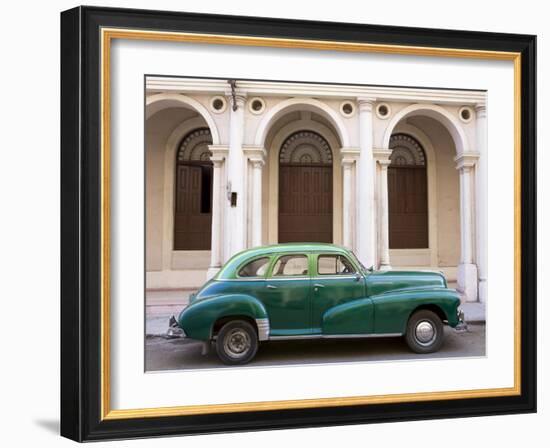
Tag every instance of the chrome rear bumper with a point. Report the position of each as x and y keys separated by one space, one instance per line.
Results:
x=174 y=330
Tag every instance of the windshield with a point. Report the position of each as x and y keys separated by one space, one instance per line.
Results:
x=361 y=265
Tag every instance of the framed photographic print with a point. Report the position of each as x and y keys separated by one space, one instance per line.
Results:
x=273 y=224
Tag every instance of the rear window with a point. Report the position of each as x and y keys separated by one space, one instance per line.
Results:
x=255 y=268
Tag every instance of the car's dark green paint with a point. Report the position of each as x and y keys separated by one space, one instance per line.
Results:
x=353 y=317
x=354 y=303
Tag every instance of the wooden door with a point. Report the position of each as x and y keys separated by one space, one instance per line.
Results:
x=305 y=203
x=193 y=214
x=408 y=207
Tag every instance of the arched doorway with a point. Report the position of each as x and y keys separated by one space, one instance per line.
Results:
x=305 y=189
x=407 y=194
x=193 y=206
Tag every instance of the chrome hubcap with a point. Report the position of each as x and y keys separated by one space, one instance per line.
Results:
x=425 y=332
x=237 y=343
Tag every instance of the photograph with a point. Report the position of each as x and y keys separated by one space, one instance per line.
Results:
x=296 y=223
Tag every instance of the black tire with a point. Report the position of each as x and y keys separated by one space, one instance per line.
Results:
x=424 y=332
x=237 y=342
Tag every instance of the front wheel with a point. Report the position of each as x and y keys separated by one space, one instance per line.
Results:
x=424 y=332
x=237 y=342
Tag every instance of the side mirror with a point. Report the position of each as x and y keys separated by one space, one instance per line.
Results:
x=371 y=268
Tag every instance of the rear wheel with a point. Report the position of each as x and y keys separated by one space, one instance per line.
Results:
x=237 y=342
x=424 y=332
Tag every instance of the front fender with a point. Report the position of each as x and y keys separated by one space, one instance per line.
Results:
x=197 y=320
x=393 y=309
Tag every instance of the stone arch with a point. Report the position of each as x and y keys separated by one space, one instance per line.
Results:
x=171 y=148
x=271 y=185
x=159 y=101
x=302 y=104
x=439 y=114
x=430 y=154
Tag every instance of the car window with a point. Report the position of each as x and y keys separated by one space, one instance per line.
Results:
x=334 y=265
x=290 y=265
x=256 y=268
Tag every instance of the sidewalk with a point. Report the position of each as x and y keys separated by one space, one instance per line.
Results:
x=160 y=305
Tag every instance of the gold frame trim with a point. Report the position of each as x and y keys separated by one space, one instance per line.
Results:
x=107 y=35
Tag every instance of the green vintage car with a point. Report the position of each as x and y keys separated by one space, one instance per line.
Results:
x=308 y=291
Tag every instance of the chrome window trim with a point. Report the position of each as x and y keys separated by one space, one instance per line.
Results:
x=288 y=277
x=278 y=279
x=243 y=279
x=336 y=254
x=336 y=277
x=251 y=260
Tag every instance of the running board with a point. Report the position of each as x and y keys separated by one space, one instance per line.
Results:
x=334 y=336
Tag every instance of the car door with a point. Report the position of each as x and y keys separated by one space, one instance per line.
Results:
x=287 y=295
x=335 y=281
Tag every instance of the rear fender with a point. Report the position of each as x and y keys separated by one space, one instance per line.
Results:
x=198 y=319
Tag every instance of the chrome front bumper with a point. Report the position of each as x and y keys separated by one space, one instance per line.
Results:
x=462 y=327
x=174 y=330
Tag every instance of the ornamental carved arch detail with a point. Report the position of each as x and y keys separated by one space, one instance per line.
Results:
x=305 y=147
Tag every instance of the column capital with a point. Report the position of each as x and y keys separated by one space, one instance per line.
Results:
x=481 y=110
x=256 y=154
x=348 y=162
x=257 y=164
x=466 y=161
x=365 y=103
x=382 y=156
x=219 y=153
x=349 y=156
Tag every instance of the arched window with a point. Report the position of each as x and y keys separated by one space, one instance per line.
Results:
x=193 y=208
x=305 y=189
x=407 y=194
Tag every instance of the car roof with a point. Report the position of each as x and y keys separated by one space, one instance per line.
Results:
x=228 y=270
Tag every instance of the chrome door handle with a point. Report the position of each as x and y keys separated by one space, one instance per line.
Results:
x=318 y=285
x=271 y=286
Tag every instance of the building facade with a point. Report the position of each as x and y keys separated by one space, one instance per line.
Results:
x=399 y=175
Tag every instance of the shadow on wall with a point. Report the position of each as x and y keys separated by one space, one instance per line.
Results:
x=51 y=426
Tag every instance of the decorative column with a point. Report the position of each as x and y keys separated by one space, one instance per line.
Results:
x=365 y=229
x=467 y=270
x=349 y=162
x=256 y=157
x=235 y=225
x=481 y=200
x=383 y=159
x=219 y=153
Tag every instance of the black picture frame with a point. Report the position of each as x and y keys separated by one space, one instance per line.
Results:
x=81 y=209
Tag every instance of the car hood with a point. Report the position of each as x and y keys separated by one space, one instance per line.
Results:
x=380 y=282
